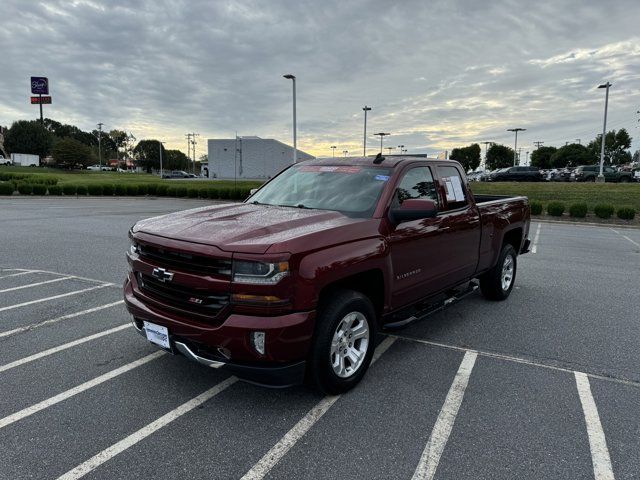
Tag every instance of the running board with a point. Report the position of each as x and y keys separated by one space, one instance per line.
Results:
x=431 y=309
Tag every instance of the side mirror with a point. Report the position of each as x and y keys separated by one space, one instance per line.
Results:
x=252 y=191
x=414 y=209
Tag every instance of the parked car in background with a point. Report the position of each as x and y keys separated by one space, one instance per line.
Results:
x=4 y=161
x=559 y=174
x=98 y=168
x=589 y=173
x=176 y=174
x=516 y=174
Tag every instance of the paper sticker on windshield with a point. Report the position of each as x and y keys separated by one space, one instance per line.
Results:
x=384 y=178
x=453 y=189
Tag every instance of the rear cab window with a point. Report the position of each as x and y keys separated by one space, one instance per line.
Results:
x=453 y=187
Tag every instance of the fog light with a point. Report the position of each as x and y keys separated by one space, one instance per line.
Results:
x=257 y=340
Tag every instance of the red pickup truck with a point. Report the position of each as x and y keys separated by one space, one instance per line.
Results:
x=293 y=284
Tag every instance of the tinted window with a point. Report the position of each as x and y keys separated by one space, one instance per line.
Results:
x=416 y=183
x=453 y=186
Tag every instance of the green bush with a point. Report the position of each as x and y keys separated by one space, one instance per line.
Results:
x=39 y=189
x=161 y=190
x=192 y=193
x=95 y=189
x=152 y=189
x=223 y=193
x=55 y=190
x=181 y=192
x=536 y=208
x=626 y=213
x=7 y=188
x=132 y=190
x=555 y=209
x=108 y=189
x=69 y=189
x=578 y=210
x=143 y=189
x=29 y=178
x=121 y=189
x=603 y=210
x=212 y=192
x=81 y=190
x=25 y=188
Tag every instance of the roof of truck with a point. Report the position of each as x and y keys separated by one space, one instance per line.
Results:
x=388 y=161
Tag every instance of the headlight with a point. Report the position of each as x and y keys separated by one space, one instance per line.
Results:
x=259 y=272
x=133 y=248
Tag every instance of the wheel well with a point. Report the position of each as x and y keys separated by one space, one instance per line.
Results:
x=514 y=238
x=370 y=283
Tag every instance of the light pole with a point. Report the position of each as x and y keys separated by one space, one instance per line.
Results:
x=600 y=178
x=381 y=135
x=364 y=143
x=160 y=144
x=515 y=148
x=390 y=148
x=344 y=152
x=486 y=145
x=100 y=144
x=333 y=150
x=295 y=141
x=526 y=161
x=401 y=147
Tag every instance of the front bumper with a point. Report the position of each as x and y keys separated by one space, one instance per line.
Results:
x=228 y=347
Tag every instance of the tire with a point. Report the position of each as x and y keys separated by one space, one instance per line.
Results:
x=624 y=179
x=336 y=312
x=497 y=283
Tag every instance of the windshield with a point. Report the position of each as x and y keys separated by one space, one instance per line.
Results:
x=352 y=190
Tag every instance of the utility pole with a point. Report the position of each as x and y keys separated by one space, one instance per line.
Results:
x=160 y=144
x=515 y=147
x=537 y=144
x=100 y=144
x=333 y=151
x=607 y=85
x=526 y=161
x=194 y=143
x=188 y=136
x=381 y=135
x=519 y=154
x=364 y=143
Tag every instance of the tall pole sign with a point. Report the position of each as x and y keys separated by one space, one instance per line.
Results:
x=40 y=87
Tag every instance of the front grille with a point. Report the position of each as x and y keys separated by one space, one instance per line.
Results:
x=186 y=261
x=195 y=300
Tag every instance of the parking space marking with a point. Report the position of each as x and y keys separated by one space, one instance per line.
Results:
x=58 y=319
x=51 y=351
x=119 y=447
x=602 y=469
x=534 y=248
x=36 y=284
x=15 y=274
x=280 y=449
x=430 y=458
x=511 y=358
x=14 y=417
x=54 y=297
x=625 y=237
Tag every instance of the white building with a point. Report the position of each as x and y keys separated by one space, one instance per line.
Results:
x=249 y=157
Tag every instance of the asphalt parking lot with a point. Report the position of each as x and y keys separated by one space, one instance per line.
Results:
x=544 y=385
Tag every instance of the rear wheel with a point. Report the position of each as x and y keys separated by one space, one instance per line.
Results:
x=624 y=179
x=343 y=343
x=497 y=283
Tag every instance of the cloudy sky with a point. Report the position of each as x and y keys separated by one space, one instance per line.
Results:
x=438 y=74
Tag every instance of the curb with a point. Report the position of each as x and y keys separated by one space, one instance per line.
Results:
x=585 y=224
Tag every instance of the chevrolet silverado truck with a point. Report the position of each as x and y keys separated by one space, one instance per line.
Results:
x=294 y=284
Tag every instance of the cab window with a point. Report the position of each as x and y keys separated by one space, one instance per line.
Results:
x=416 y=183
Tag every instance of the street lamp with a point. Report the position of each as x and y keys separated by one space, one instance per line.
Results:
x=364 y=143
x=100 y=144
x=160 y=144
x=295 y=142
x=401 y=147
x=345 y=152
x=381 y=135
x=389 y=148
x=515 y=148
x=333 y=149
x=600 y=178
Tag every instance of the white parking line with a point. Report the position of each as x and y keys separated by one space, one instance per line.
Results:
x=117 y=448
x=15 y=274
x=62 y=295
x=430 y=458
x=279 y=450
x=51 y=351
x=58 y=319
x=625 y=237
x=602 y=469
x=534 y=249
x=35 y=284
x=14 y=417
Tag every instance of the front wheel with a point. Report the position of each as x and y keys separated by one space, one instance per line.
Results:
x=497 y=283
x=343 y=343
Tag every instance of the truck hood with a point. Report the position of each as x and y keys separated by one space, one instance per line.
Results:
x=243 y=227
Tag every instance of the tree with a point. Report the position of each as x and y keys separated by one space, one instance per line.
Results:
x=26 y=136
x=499 y=156
x=541 y=157
x=636 y=156
x=176 y=160
x=469 y=157
x=119 y=139
x=572 y=155
x=70 y=152
x=147 y=152
x=616 y=146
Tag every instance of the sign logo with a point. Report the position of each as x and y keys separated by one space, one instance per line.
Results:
x=162 y=275
x=40 y=85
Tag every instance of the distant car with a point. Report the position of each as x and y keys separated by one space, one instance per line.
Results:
x=4 y=161
x=176 y=174
x=516 y=174
x=98 y=168
x=589 y=173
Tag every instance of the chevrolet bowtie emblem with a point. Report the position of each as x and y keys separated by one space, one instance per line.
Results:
x=162 y=275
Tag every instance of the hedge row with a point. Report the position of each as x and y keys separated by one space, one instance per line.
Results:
x=580 y=210
x=107 y=189
x=28 y=178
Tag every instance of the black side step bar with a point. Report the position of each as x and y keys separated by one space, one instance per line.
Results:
x=432 y=308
